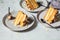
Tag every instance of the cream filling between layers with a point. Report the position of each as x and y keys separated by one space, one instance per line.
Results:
x=47 y=14
x=18 y=18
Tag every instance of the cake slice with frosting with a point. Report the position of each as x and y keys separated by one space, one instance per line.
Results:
x=31 y=4
x=50 y=14
x=20 y=19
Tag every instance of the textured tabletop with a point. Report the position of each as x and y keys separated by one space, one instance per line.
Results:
x=39 y=32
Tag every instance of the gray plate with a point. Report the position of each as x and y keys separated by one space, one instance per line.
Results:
x=9 y=23
x=44 y=3
x=54 y=25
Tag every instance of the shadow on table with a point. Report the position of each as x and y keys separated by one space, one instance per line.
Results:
x=31 y=28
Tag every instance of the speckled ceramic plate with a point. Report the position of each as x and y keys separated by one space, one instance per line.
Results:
x=41 y=7
x=9 y=23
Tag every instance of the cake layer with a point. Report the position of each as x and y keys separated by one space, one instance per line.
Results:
x=50 y=15
x=31 y=4
x=18 y=17
x=46 y=17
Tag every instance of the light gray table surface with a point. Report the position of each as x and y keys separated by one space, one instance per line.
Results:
x=40 y=32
